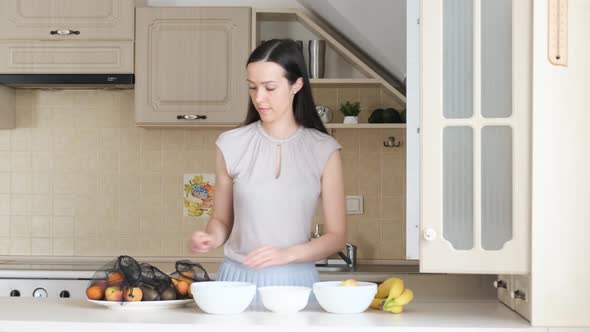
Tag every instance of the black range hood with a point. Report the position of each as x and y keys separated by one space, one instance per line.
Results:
x=115 y=81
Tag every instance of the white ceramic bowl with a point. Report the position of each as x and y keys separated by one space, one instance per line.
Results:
x=223 y=297
x=284 y=299
x=344 y=299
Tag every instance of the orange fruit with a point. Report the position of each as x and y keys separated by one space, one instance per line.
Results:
x=115 y=278
x=186 y=276
x=95 y=292
x=133 y=294
x=182 y=287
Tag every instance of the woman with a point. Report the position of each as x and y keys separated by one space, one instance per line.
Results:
x=269 y=175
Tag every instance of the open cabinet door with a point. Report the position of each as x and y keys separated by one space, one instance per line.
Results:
x=475 y=136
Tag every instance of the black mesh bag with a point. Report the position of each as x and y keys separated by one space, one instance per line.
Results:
x=194 y=271
x=126 y=280
x=186 y=273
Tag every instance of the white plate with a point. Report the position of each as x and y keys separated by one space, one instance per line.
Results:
x=143 y=304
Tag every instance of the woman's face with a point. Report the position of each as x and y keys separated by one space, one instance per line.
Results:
x=270 y=91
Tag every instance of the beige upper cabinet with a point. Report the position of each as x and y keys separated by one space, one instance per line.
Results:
x=475 y=128
x=66 y=19
x=66 y=36
x=191 y=65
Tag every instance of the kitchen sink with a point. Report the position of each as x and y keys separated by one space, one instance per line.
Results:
x=369 y=268
x=333 y=268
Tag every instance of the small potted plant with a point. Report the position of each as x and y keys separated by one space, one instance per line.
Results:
x=350 y=111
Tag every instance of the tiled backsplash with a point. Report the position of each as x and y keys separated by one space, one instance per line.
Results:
x=378 y=174
x=78 y=178
x=372 y=170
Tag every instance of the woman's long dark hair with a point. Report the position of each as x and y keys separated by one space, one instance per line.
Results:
x=287 y=54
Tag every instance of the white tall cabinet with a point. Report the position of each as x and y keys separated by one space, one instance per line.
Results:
x=560 y=172
x=504 y=150
x=475 y=136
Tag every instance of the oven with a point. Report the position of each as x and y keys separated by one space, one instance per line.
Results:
x=42 y=283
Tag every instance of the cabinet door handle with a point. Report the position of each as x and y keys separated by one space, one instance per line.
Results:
x=64 y=32
x=191 y=117
x=518 y=294
x=429 y=234
x=500 y=284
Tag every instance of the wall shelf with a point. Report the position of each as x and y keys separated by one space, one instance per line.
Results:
x=338 y=81
x=344 y=65
x=328 y=125
x=366 y=126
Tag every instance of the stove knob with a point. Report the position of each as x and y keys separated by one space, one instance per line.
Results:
x=40 y=292
x=15 y=293
x=64 y=294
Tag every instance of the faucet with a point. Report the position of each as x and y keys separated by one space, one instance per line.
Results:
x=350 y=257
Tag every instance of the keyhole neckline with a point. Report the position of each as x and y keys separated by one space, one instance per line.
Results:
x=277 y=140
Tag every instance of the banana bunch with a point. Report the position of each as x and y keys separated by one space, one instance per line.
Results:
x=392 y=296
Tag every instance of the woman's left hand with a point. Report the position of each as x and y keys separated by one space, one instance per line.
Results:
x=268 y=256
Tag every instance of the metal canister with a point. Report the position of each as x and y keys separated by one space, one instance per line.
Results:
x=317 y=54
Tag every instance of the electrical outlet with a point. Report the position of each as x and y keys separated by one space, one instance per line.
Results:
x=354 y=204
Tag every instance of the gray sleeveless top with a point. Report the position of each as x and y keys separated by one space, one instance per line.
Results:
x=270 y=210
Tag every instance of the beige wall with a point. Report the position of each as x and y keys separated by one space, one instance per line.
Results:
x=372 y=170
x=377 y=173
x=77 y=178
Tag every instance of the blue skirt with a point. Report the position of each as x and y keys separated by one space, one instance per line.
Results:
x=294 y=274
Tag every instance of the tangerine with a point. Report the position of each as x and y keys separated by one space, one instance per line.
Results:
x=115 y=278
x=95 y=292
x=182 y=287
x=186 y=276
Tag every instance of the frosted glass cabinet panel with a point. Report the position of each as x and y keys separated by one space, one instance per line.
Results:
x=458 y=186
x=496 y=186
x=475 y=127
x=458 y=59
x=496 y=58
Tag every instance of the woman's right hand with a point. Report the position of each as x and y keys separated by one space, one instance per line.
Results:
x=202 y=242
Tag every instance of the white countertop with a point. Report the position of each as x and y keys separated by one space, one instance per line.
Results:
x=24 y=314
x=426 y=286
x=86 y=274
